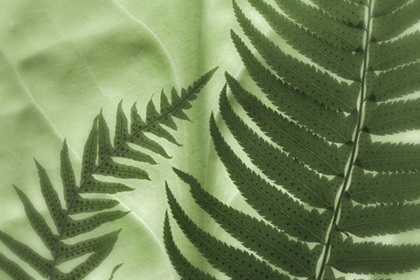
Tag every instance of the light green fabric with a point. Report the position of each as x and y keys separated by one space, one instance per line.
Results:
x=62 y=61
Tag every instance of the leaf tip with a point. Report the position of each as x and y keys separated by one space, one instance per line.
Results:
x=16 y=188
x=38 y=165
x=212 y=71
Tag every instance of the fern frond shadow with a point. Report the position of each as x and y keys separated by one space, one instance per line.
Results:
x=98 y=159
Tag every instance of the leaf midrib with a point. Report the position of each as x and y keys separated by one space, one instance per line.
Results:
x=396 y=53
x=385 y=189
x=379 y=259
x=397 y=84
x=89 y=245
x=80 y=223
x=354 y=19
x=396 y=119
x=380 y=221
x=391 y=26
x=388 y=158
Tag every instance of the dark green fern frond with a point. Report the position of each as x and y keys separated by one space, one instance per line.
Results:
x=388 y=157
x=182 y=265
x=379 y=219
x=395 y=83
x=13 y=269
x=220 y=254
x=392 y=25
x=294 y=139
x=317 y=177
x=393 y=117
x=391 y=54
x=320 y=86
x=99 y=158
x=384 y=187
x=315 y=48
x=332 y=125
x=343 y=10
x=268 y=242
x=373 y=258
x=322 y=24
x=388 y=6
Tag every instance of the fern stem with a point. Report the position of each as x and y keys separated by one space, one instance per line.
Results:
x=82 y=184
x=355 y=150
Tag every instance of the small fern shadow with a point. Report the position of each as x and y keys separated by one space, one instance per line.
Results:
x=98 y=159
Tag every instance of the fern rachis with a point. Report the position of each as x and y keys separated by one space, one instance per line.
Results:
x=318 y=180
